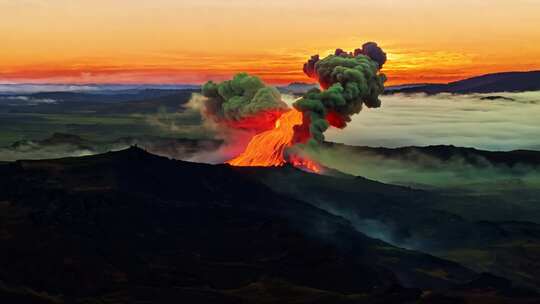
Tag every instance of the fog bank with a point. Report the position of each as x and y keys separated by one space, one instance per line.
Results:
x=502 y=121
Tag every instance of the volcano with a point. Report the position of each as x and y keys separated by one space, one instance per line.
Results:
x=129 y=226
x=347 y=80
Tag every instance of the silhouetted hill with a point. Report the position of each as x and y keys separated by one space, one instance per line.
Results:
x=472 y=156
x=59 y=145
x=490 y=83
x=439 y=222
x=128 y=226
x=115 y=102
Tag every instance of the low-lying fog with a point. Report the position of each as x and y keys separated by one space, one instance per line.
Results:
x=507 y=123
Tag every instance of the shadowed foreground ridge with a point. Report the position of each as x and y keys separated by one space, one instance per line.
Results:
x=132 y=227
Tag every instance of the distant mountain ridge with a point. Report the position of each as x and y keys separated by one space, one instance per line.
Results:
x=471 y=156
x=489 y=83
x=90 y=88
x=297 y=87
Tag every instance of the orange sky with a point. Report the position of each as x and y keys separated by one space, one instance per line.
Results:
x=167 y=41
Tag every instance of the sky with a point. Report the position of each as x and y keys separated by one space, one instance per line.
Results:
x=167 y=41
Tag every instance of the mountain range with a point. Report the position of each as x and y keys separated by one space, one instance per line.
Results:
x=489 y=83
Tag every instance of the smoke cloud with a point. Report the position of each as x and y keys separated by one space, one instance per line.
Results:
x=349 y=81
x=235 y=102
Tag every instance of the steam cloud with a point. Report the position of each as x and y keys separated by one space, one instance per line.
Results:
x=349 y=80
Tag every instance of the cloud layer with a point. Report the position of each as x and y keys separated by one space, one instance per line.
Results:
x=461 y=120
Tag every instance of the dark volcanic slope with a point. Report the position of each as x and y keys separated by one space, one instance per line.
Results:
x=499 y=82
x=472 y=156
x=132 y=227
x=411 y=219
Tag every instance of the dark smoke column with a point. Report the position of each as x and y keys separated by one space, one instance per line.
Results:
x=348 y=80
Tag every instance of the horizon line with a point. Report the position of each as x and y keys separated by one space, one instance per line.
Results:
x=269 y=83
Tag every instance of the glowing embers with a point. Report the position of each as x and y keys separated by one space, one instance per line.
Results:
x=304 y=164
x=267 y=149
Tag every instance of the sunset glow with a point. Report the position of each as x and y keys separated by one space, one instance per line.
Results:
x=166 y=41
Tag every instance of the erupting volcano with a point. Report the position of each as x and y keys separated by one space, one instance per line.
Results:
x=349 y=80
x=268 y=148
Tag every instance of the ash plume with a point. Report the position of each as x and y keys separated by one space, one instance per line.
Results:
x=235 y=102
x=349 y=81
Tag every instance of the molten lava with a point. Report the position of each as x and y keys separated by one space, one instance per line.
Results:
x=267 y=149
x=304 y=163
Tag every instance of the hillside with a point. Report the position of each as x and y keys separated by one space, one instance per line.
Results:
x=428 y=221
x=129 y=226
x=472 y=156
x=489 y=83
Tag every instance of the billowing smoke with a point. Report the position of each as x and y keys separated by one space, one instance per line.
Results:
x=244 y=102
x=349 y=81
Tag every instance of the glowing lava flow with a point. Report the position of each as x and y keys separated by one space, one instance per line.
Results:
x=304 y=163
x=267 y=149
